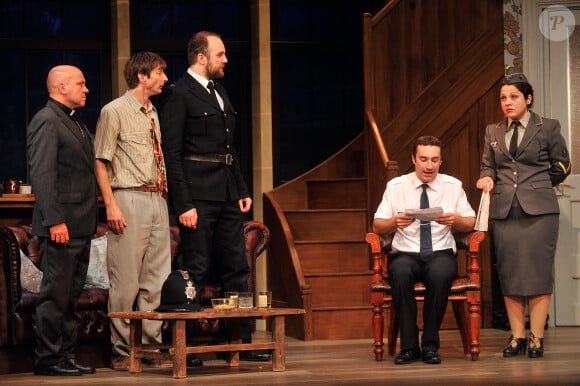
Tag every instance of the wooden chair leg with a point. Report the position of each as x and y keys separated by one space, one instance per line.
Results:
x=378 y=323
x=462 y=325
x=474 y=301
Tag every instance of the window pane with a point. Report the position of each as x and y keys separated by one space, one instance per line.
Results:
x=13 y=113
x=11 y=18
x=88 y=18
x=42 y=18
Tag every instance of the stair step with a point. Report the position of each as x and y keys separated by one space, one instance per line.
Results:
x=332 y=224
x=347 y=289
x=337 y=193
x=332 y=256
x=343 y=323
x=356 y=322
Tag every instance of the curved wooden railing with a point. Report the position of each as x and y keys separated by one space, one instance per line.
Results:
x=285 y=276
x=376 y=134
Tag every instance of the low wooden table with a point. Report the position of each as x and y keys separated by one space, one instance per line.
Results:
x=178 y=349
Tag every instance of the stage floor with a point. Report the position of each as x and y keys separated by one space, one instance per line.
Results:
x=351 y=362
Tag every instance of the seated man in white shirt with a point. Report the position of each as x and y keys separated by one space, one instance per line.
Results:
x=425 y=250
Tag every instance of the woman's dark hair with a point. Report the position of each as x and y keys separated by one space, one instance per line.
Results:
x=524 y=87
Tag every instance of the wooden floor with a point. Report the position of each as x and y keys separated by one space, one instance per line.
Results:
x=351 y=362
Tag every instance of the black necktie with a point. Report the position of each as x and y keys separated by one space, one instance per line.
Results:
x=514 y=140
x=211 y=87
x=425 y=242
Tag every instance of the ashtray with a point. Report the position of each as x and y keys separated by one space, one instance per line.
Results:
x=222 y=304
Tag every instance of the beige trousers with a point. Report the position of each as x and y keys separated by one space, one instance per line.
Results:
x=138 y=262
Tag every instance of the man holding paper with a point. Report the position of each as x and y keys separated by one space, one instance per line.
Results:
x=421 y=208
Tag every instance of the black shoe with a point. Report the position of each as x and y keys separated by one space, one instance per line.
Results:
x=84 y=369
x=254 y=356
x=61 y=369
x=515 y=346
x=536 y=348
x=193 y=361
x=408 y=356
x=431 y=356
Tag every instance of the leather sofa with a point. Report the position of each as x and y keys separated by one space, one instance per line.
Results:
x=18 y=306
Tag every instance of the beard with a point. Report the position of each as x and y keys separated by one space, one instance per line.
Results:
x=216 y=73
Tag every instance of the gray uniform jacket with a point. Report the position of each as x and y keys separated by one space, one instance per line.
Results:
x=541 y=162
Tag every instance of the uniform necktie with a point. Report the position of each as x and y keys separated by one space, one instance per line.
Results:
x=158 y=154
x=426 y=243
x=514 y=140
x=211 y=88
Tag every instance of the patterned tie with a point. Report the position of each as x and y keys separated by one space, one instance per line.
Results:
x=425 y=241
x=158 y=153
x=514 y=140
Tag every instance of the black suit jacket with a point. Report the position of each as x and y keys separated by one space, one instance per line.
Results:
x=62 y=173
x=541 y=161
x=192 y=122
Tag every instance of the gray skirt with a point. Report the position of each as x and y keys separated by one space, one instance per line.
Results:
x=524 y=247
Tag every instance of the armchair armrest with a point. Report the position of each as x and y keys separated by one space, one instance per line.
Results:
x=379 y=245
x=469 y=241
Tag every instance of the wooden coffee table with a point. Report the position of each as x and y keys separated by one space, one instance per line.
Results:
x=178 y=349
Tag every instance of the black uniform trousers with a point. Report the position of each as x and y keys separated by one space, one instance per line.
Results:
x=217 y=247
x=64 y=270
x=437 y=272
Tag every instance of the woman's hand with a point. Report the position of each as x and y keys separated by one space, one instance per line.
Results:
x=485 y=183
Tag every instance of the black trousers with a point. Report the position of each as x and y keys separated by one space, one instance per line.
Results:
x=216 y=247
x=217 y=250
x=64 y=270
x=437 y=272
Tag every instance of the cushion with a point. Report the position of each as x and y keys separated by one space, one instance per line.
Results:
x=97 y=275
x=30 y=275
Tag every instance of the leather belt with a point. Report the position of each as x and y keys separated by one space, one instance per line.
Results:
x=227 y=159
x=143 y=188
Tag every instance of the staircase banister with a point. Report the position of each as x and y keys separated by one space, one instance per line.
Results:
x=376 y=133
x=281 y=225
x=384 y=11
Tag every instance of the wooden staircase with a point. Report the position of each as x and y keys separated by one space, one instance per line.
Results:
x=326 y=232
x=334 y=256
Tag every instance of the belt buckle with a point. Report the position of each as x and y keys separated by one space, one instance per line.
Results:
x=229 y=159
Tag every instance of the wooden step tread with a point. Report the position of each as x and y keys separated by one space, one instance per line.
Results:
x=323 y=180
x=341 y=210
x=343 y=308
x=326 y=241
x=340 y=274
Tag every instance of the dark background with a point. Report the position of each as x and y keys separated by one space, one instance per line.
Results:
x=317 y=85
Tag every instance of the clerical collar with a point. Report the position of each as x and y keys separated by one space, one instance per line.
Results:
x=65 y=108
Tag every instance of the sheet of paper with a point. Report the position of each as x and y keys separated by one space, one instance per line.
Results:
x=482 y=219
x=427 y=214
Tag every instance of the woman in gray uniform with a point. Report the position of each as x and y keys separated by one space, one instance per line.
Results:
x=523 y=157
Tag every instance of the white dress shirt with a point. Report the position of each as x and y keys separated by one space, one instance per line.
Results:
x=404 y=192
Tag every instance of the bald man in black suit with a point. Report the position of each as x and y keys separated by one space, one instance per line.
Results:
x=62 y=172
